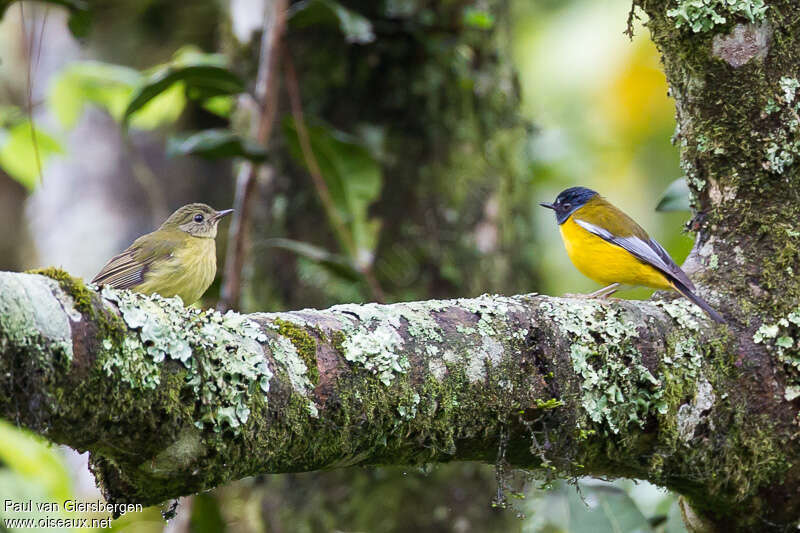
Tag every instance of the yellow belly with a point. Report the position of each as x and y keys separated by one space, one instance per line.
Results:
x=188 y=273
x=607 y=263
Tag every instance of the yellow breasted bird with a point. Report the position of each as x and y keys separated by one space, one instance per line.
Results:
x=607 y=246
x=179 y=258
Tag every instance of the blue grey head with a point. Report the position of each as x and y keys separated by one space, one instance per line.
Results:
x=568 y=201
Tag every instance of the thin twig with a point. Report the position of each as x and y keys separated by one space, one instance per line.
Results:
x=27 y=46
x=321 y=187
x=266 y=98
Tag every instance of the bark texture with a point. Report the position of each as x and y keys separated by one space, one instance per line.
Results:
x=171 y=401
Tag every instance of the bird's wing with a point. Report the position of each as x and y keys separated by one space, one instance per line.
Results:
x=615 y=227
x=127 y=269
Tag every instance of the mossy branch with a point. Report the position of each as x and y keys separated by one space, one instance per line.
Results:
x=170 y=401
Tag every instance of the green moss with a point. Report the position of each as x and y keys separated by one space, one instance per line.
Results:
x=552 y=403
x=304 y=343
x=704 y=15
x=75 y=287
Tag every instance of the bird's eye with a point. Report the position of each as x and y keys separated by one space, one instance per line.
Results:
x=198 y=218
x=567 y=205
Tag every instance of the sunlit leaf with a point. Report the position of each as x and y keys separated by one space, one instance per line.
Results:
x=355 y=27
x=103 y=84
x=18 y=154
x=478 y=18
x=334 y=263
x=216 y=144
x=202 y=81
x=110 y=87
x=33 y=458
x=352 y=176
x=220 y=105
x=676 y=197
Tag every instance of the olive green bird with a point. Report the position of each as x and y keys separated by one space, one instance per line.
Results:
x=178 y=259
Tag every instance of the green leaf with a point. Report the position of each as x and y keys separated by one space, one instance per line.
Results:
x=353 y=177
x=216 y=144
x=609 y=510
x=31 y=457
x=200 y=81
x=355 y=27
x=334 y=263
x=676 y=197
x=110 y=87
x=477 y=18
x=18 y=154
x=103 y=84
x=599 y=507
x=79 y=15
x=220 y=105
x=206 y=515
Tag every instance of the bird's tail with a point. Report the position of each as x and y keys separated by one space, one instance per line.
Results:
x=702 y=304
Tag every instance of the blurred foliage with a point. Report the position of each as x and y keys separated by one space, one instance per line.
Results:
x=676 y=197
x=354 y=27
x=595 y=506
x=354 y=180
x=425 y=137
x=24 y=148
x=148 y=99
x=79 y=19
x=445 y=498
x=216 y=144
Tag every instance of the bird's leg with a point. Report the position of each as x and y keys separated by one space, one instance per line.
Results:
x=605 y=292
x=602 y=294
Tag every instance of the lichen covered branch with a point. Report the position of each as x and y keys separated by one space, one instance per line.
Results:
x=172 y=400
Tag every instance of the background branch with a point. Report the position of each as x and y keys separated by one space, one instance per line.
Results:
x=266 y=95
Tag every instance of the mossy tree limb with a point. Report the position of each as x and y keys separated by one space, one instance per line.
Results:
x=171 y=401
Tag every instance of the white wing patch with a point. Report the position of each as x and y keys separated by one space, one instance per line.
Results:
x=648 y=251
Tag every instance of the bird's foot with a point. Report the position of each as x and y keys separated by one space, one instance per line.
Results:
x=601 y=294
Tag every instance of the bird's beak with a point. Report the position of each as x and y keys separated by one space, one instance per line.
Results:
x=548 y=205
x=223 y=213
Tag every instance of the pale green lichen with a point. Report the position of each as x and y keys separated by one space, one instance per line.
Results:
x=32 y=314
x=687 y=356
x=408 y=409
x=616 y=388
x=374 y=341
x=789 y=86
x=286 y=355
x=222 y=354
x=782 y=144
x=690 y=415
x=704 y=15
x=382 y=335
x=684 y=312
x=783 y=336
